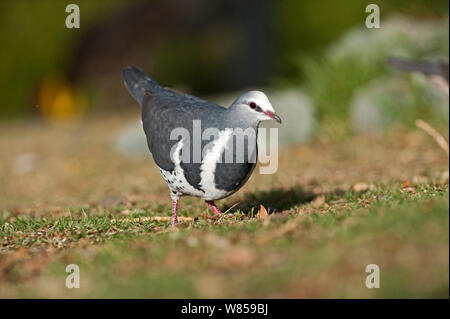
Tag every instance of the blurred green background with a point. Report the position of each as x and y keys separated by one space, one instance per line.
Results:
x=209 y=48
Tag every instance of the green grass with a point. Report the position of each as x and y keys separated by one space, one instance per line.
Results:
x=308 y=250
x=103 y=212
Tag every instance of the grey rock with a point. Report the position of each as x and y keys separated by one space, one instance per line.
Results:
x=383 y=101
x=131 y=141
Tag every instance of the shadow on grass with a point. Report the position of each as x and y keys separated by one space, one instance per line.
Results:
x=275 y=200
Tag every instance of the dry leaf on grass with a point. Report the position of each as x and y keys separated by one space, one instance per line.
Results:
x=407 y=187
x=262 y=213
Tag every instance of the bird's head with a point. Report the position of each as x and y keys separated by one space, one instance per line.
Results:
x=255 y=105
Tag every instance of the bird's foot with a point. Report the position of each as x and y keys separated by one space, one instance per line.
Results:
x=213 y=207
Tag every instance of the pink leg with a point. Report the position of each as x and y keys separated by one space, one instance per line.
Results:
x=213 y=207
x=174 y=211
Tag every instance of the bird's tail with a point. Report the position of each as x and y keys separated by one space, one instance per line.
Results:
x=139 y=83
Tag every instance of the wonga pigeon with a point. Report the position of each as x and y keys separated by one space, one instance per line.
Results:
x=202 y=149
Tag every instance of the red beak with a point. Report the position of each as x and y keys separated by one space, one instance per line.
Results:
x=273 y=116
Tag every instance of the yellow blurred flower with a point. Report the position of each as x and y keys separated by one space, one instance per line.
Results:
x=59 y=102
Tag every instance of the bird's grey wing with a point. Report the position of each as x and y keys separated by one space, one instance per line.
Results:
x=159 y=119
x=186 y=98
x=167 y=113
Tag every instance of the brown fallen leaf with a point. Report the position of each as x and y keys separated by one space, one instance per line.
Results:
x=406 y=184
x=262 y=212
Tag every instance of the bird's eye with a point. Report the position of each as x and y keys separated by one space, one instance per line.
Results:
x=252 y=105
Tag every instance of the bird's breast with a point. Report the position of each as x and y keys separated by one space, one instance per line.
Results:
x=226 y=164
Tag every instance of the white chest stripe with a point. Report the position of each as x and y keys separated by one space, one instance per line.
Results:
x=176 y=180
x=178 y=183
x=208 y=167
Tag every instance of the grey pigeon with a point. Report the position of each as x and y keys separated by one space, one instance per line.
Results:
x=191 y=139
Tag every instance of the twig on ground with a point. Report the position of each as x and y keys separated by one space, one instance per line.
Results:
x=438 y=138
x=154 y=218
